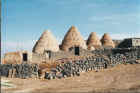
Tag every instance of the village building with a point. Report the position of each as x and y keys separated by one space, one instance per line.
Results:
x=47 y=42
x=73 y=38
x=73 y=45
x=17 y=57
x=129 y=42
x=93 y=41
x=107 y=41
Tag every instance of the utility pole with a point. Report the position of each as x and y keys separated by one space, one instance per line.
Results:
x=0 y=32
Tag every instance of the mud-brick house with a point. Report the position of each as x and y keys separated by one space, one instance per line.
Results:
x=93 y=41
x=43 y=48
x=17 y=57
x=46 y=42
x=73 y=38
x=107 y=41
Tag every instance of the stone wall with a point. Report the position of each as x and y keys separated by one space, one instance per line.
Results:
x=23 y=70
x=69 y=54
x=83 y=53
x=101 y=59
x=75 y=67
x=38 y=58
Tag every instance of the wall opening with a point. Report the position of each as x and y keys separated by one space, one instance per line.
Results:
x=71 y=48
x=25 y=57
x=49 y=53
x=77 y=51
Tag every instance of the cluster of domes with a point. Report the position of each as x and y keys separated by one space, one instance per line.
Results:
x=72 y=38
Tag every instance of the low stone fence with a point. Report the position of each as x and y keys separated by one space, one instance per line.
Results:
x=19 y=70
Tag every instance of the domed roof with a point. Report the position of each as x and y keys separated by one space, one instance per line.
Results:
x=73 y=38
x=46 y=42
x=107 y=41
x=93 y=40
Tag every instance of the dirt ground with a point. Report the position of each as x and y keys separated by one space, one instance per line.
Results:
x=119 y=79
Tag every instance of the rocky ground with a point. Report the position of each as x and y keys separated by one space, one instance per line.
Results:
x=119 y=79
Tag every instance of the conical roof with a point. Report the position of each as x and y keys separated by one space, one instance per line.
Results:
x=107 y=41
x=73 y=38
x=93 y=40
x=46 y=42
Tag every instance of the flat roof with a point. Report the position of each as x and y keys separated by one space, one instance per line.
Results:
x=132 y=38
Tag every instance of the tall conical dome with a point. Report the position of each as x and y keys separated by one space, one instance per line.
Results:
x=73 y=38
x=46 y=42
x=107 y=41
x=93 y=41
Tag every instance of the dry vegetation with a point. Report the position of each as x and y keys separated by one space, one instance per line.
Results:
x=121 y=78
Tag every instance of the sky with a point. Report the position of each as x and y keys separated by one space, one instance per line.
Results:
x=23 y=21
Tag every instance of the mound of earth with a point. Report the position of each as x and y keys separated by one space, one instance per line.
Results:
x=121 y=78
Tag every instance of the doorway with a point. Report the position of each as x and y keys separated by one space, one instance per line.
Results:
x=77 y=51
x=49 y=53
x=25 y=57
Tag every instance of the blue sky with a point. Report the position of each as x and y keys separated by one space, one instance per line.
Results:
x=23 y=21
